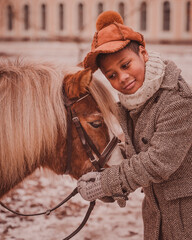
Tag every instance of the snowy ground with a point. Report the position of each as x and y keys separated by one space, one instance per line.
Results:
x=44 y=190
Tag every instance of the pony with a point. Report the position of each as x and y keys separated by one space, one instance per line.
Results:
x=33 y=119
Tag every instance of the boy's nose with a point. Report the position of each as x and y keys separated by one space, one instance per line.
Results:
x=123 y=77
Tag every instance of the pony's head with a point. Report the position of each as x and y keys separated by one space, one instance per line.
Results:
x=33 y=119
x=86 y=108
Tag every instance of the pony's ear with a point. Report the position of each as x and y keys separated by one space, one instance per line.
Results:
x=77 y=84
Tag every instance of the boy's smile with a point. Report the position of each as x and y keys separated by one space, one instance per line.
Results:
x=125 y=70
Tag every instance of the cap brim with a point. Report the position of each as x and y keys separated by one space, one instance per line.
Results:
x=110 y=47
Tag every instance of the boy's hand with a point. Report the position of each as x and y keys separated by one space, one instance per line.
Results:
x=89 y=186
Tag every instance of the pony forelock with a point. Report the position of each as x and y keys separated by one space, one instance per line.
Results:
x=106 y=103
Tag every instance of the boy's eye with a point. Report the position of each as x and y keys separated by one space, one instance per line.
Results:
x=112 y=76
x=125 y=65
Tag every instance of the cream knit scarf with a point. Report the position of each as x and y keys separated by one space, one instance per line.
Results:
x=154 y=73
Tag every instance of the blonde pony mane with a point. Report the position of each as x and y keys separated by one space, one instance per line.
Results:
x=33 y=114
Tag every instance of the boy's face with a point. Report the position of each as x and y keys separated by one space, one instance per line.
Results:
x=125 y=70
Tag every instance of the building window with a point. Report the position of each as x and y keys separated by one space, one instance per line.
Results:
x=188 y=16
x=26 y=17
x=100 y=8
x=43 y=17
x=143 y=16
x=61 y=16
x=10 y=18
x=166 y=16
x=122 y=10
x=80 y=17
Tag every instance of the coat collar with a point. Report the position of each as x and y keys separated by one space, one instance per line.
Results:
x=122 y=112
x=171 y=76
x=123 y=120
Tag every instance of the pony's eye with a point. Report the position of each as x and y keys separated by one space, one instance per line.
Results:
x=96 y=124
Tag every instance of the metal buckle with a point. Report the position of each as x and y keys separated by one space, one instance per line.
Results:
x=75 y=119
x=93 y=160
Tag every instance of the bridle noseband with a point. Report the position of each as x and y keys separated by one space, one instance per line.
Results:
x=89 y=147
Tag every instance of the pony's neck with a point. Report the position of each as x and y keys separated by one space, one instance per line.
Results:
x=6 y=186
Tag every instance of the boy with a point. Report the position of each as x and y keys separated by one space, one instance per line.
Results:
x=156 y=117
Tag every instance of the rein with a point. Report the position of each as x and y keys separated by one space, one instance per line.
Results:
x=89 y=147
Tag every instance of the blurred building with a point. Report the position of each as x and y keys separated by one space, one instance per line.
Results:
x=158 y=20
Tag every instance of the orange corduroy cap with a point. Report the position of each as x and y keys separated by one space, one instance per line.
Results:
x=111 y=36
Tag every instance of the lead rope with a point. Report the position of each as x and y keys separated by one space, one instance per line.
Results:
x=47 y=212
x=90 y=209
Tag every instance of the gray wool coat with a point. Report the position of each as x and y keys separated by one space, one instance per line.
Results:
x=158 y=152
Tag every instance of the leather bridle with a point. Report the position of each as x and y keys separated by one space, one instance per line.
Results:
x=86 y=141
x=89 y=147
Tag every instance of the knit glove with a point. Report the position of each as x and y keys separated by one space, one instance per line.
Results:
x=113 y=183
x=90 y=188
